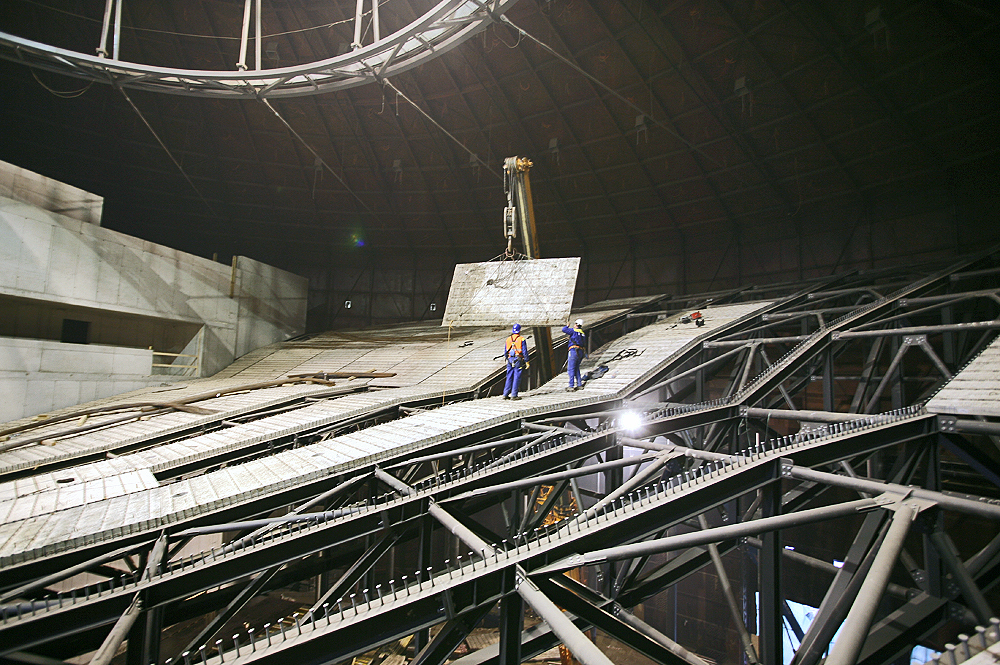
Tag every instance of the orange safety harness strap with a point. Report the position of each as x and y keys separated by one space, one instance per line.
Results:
x=514 y=341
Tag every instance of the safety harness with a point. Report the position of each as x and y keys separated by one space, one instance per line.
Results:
x=514 y=342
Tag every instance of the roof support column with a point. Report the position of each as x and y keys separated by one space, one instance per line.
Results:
x=846 y=649
x=770 y=628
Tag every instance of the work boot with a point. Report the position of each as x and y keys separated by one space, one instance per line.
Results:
x=515 y=398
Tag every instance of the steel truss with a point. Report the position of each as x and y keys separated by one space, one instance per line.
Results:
x=443 y=27
x=811 y=412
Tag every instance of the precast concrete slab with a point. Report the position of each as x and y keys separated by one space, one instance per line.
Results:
x=532 y=292
x=975 y=390
x=57 y=441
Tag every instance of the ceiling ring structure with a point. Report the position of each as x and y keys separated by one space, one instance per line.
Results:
x=440 y=29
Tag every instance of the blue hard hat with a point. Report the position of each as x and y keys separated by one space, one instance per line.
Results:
x=517 y=327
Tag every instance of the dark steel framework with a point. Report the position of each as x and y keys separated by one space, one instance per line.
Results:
x=810 y=412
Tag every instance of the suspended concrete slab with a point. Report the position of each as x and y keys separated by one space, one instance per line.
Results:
x=532 y=292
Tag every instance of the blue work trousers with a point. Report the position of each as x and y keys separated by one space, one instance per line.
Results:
x=573 y=366
x=513 y=379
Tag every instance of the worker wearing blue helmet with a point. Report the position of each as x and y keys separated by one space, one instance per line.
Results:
x=577 y=352
x=516 y=355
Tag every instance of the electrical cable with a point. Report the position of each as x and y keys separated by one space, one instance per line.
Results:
x=510 y=46
x=167 y=150
x=60 y=93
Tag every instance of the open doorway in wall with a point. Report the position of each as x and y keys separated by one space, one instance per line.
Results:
x=75 y=331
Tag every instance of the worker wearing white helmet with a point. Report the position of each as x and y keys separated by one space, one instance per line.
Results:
x=577 y=351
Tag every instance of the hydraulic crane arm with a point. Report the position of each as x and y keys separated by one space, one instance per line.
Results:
x=520 y=210
x=520 y=213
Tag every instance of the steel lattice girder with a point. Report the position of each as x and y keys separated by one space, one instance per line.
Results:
x=441 y=29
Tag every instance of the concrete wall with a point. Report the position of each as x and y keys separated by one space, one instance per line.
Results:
x=37 y=376
x=50 y=258
x=36 y=319
x=56 y=259
x=272 y=304
x=133 y=293
x=48 y=194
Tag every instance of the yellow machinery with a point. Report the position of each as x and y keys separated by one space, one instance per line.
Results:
x=520 y=213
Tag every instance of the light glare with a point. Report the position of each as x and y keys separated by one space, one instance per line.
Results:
x=630 y=421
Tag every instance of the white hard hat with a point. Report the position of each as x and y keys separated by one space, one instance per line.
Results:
x=579 y=322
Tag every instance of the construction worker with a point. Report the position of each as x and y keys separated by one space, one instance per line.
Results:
x=516 y=354
x=577 y=352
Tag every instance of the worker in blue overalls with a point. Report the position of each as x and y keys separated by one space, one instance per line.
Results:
x=577 y=352
x=516 y=355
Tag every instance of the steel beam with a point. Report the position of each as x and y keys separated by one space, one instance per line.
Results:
x=582 y=648
x=550 y=478
x=755 y=340
x=802 y=415
x=959 y=573
x=689 y=372
x=842 y=592
x=949 y=423
x=727 y=592
x=713 y=535
x=846 y=649
x=670 y=573
x=511 y=626
x=357 y=570
x=990 y=511
x=440 y=649
x=118 y=633
x=447 y=25
x=143 y=637
x=609 y=617
x=638 y=479
x=769 y=578
x=70 y=571
x=918 y=330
